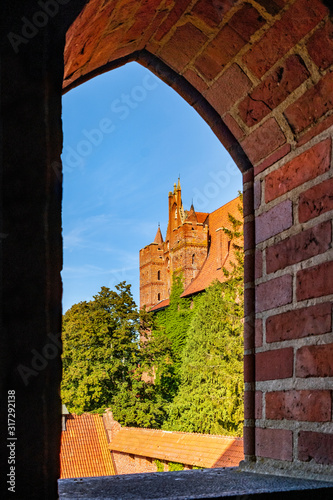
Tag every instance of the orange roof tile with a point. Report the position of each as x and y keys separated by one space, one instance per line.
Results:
x=160 y=305
x=209 y=272
x=204 y=450
x=84 y=448
x=201 y=216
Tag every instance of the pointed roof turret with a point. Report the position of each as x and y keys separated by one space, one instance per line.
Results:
x=191 y=215
x=178 y=185
x=158 y=238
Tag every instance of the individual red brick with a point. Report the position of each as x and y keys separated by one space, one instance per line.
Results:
x=274 y=221
x=212 y=13
x=302 y=246
x=272 y=7
x=249 y=403
x=316 y=281
x=248 y=201
x=273 y=90
x=219 y=52
x=257 y=194
x=233 y=126
x=248 y=333
x=258 y=335
x=294 y=24
x=308 y=406
x=249 y=368
x=249 y=440
x=231 y=85
x=273 y=158
x=315 y=446
x=299 y=323
x=183 y=46
x=263 y=141
x=175 y=13
x=274 y=443
x=248 y=176
x=258 y=264
x=313 y=162
x=320 y=46
x=315 y=131
x=195 y=80
x=248 y=268
x=246 y=21
x=273 y=365
x=316 y=201
x=248 y=230
x=312 y=105
x=314 y=361
x=258 y=405
x=274 y=293
x=248 y=301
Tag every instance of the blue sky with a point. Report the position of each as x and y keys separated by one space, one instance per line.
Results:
x=127 y=137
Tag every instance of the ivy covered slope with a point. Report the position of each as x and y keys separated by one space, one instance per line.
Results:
x=210 y=396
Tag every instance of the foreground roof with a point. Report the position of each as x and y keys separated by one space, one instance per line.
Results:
x=84 y=448
x=204 y=450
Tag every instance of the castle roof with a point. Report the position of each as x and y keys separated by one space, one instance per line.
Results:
x=84 y=448
x=204 y=450
x=158 y=238
x=209 y=271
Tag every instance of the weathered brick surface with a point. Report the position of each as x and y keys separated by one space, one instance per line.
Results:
x=178 y=52
x=313 y=162
x=315 y=130
x=248 y=334
x=312 y=105
x=315 y=361
x=233 y=126
x=248 y=404
x=248 y=235
x=272 y=365
x=263 y=141
x=258 y=264
x=302 y=17
x=302 y=246
x=309 y=406
x=274 y=293
x=272 y=7
x=316 y=281
x=175 y=13
x=274 y=221
x=273 y=158
x=212 y=13
x=257 y=194
x=232 y=85
x=320 y=46
x=249 y=368
x=195 y=79
x=316 y=201
x=228 y=42
x=274 y=443
x=248 y=269
x=298 y=323
x=258 y=405
x=258 y=334
x=248 y=201
x=315 y=446
x=273 y=90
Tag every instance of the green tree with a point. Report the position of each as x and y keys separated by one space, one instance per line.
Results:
x=210 y=396
x=99 y=348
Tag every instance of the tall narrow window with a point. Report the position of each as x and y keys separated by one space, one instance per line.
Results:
x=193 y=258
x=158 y=275
x=158 y=296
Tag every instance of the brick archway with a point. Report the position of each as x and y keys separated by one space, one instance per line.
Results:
x=260 y=74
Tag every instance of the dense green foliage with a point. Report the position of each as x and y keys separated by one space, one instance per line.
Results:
x=183 y=372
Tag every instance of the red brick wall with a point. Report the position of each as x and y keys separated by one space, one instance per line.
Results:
x=260 y=73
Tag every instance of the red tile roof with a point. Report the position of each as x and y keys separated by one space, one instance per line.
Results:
x=201 y=216
x=160 y=305
x=209 y=272
x=188 y=448
x=84 y=448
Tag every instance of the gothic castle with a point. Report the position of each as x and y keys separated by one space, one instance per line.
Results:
x=195 y=245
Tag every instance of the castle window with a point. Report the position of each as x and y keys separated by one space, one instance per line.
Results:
x=158 y=275
x=158 y=296
x=193 y=257
x=176 y=214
